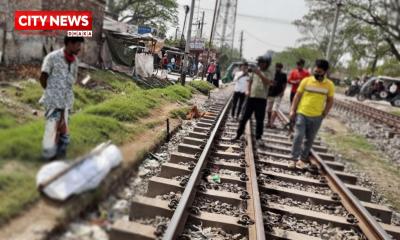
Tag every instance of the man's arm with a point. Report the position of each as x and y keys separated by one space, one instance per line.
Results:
x=250 y=81
x=43 y=79
x=295 y=104
x=328 y=106
x=263 y=77
x=284 y=85
x=283 y=92
x=292 y=79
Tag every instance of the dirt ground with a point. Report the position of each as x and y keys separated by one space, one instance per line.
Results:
x=364 y=157
x=47 y=216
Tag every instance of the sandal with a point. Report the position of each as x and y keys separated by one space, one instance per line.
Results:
x=300 y=165
x=292 y=165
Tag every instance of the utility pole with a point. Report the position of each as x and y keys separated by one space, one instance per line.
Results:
x=241 y=44
x=187 y=48
x=176 y=33
x=332 y=38
x=202 y=25
x=184 y=23
x=211 y=38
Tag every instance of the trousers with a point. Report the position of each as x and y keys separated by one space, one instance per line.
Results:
x=258 y=107
x=238 y=97
x=56 y=136
x=306 y=128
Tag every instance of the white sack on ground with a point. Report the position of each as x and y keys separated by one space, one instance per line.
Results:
x=85 y=176
x=144 y=64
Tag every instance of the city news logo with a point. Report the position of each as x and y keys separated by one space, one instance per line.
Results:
x=76 y=23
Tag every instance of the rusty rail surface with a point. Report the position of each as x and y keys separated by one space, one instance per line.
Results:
x=368 y=225
x=378 y=115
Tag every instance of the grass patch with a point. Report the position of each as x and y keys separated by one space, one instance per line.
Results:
x=17 y=189
x=365 y=157
x=179 y=113
x=137 y=105
x=395 y=112
x=30 y=94
x=202 y=86
x=109 y=111
x=7 y=120
x=24 y=142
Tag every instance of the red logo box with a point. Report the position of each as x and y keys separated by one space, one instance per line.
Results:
x=53 y=20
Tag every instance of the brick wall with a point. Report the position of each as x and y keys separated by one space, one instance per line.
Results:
x=21 y=48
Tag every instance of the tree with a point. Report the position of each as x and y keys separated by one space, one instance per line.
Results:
x=384 y=15
x=290 y=56
x=154 y=13
x=363 y=35
x=316 y=27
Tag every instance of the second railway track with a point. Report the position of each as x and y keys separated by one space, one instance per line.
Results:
x=215 y=188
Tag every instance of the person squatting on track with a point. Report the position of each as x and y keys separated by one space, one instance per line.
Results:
x=257 y=93
x=312 y=103
x=296 y=76
x=275 y=94
x=59 y=73
x=241 y=79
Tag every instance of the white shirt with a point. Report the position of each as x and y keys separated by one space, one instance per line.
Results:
x=241 y=82
x=172 y=60
x=58 y=92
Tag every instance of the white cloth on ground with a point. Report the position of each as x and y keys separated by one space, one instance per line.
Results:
x=85 y=176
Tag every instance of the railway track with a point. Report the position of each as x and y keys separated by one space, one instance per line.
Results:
x=214 y=188
x=390 y=120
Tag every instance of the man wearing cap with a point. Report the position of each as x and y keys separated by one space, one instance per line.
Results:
x=295 y=77
x=312 y=103
x=257 y=92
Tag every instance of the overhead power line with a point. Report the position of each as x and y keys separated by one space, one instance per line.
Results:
x=263 y=41
x=259 y=18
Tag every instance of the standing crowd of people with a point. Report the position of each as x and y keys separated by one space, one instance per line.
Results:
x=260 y=91
x=257 y=91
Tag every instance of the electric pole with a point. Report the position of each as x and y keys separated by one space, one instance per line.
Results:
x=185 y=68
x=176 y=33
x=184 y=23
x=202 y=24
x=332 y=38
x=241 y=45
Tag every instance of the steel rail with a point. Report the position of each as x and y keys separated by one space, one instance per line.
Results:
x=377 y=114
x=258 y=228
x=361 y=105
x=178 y=220
x=368 y=225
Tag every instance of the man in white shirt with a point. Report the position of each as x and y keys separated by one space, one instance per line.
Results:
x=240 y=79
x=173 y=62
x=59 y=73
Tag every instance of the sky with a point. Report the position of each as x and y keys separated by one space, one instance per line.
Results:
x=259 y=35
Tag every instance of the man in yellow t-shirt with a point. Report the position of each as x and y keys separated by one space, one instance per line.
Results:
x=313 y=101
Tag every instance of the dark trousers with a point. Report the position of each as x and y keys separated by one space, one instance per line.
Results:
x=292 y=94
x=238 y=97
x=256 y=106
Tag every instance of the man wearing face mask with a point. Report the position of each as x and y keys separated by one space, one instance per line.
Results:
x=59 y=73
x=311 y=104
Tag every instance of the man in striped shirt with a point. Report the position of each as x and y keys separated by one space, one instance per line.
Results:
x=312 y=102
